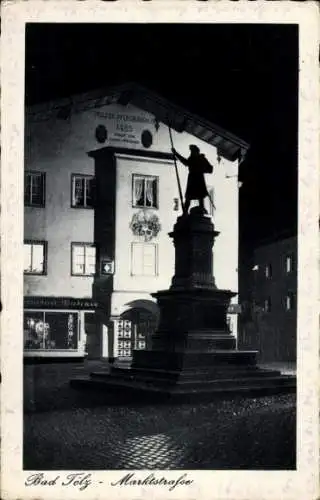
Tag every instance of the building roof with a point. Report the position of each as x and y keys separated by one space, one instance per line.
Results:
x=229 y=146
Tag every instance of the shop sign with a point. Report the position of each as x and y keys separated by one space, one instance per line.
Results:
x=107 y=267
x=58 y=303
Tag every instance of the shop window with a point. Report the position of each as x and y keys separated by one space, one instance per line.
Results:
x=141 y=345
x=145 y=191
x=124 y=353
x=34 y=189
x=83 y=259
x=82 y=191
x=35 y=255
x=144 y=259
x=290 y=301
x=45 y=330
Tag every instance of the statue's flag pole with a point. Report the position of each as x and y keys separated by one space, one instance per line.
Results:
x=176 y=169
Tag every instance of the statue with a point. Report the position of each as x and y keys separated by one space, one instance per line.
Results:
x=196 y=187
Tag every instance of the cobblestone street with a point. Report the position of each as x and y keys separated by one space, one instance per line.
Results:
x=239 y=433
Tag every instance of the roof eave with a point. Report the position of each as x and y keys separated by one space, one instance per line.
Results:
x=229 y=145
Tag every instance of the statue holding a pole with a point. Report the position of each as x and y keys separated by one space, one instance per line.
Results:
x=198 y=165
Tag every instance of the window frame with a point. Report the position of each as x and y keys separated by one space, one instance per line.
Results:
x=29 y=203
x=83 y=244
x=45 y=257
x=156 y=264
x=85 y=177
x=145 y=176
x=58 y=311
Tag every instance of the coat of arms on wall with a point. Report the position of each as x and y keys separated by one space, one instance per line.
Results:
x=145 y=224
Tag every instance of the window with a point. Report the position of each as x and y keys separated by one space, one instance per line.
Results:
x=34 y=189
x=268 y=271
x=290 y=301
x=267 y=305
x=144 y=259
x=82 y=191
x=35 y=257
x=289 y=263
x=83 y=259
x=145 y=191
x=124 y=333
x=50 y=330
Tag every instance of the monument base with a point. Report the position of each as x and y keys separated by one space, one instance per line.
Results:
x=193 y=353
x=188 y=384
x=189 y=376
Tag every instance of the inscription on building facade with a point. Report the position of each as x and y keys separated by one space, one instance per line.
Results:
x=121 y=126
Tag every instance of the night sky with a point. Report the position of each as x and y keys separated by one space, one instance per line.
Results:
x=242 y=77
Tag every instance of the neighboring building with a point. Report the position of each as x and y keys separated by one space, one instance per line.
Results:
x=101 y=197
x=268 y=293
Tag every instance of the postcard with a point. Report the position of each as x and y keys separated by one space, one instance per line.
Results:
x=159 y=250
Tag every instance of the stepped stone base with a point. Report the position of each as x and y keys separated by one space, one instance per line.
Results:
x=192 y=352
x=190 y=376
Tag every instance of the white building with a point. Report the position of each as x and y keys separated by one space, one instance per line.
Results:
x=101 y=196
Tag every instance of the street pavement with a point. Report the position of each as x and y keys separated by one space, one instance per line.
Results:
x=62 y=431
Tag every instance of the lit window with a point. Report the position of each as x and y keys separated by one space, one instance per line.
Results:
x=83 y=259
x=145 y=191
x=289 y=263
x=34 y=257
x=82 y=191
x=144 y=259
x=267 y=305
x=50 y=330
x=34 y=189
x=290 y=301
x=268 y=271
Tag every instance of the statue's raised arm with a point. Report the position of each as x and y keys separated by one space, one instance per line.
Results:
x=181 y=158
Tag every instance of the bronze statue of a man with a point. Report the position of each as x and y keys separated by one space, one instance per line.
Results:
x=196 y=187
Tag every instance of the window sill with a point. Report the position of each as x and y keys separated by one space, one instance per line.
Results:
x=145 y=208
x=81 y=208
x=26 y=273
x=83 y=275
x=34 y=206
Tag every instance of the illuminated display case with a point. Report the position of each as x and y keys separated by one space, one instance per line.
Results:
x=47 y=330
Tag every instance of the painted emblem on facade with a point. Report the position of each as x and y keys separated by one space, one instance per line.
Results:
x=145 y=224
x=101 y=134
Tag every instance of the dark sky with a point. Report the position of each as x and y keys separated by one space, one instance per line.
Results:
x=242 y=77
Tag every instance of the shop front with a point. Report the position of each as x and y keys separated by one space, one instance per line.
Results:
x=57 y=328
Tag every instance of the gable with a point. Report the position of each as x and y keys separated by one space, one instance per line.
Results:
x=126 y=109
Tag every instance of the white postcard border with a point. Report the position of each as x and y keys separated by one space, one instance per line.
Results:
x=302 y=483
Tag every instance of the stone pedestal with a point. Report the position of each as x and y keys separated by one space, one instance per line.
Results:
x=193 y=351
x=193 y=312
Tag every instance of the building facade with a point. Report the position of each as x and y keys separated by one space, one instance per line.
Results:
x=269 y=308
x=101 y=196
